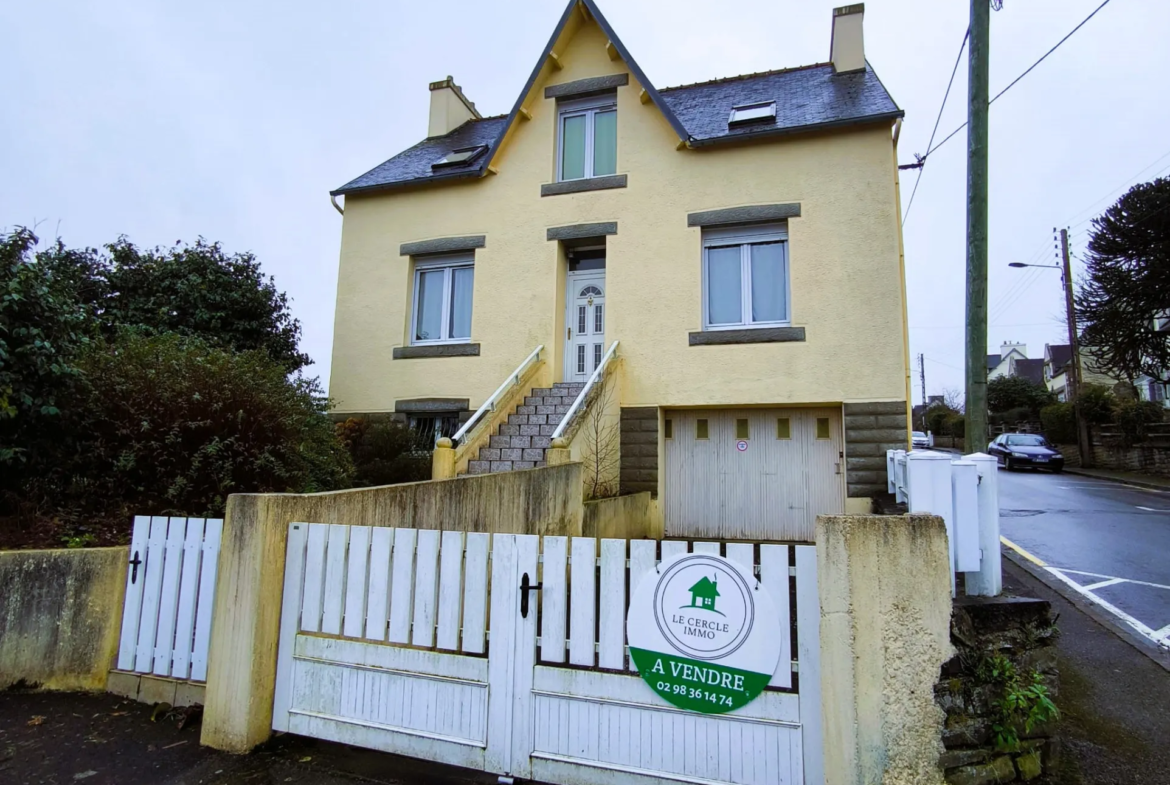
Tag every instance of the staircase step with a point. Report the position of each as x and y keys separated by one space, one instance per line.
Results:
x=519 y=419
x=510 y=454
x=554 y=400
x=500 y=441
x=533 y=400
x=541 y=391
x=530 y=430
x=509 y=430
x=541 y=442
x=537 y=419
x=526 y=409
x=534 y=454
x=521 y=441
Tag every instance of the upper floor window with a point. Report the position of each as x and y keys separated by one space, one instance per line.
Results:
x=745 y=277
x=587 y=137
x=442 y=299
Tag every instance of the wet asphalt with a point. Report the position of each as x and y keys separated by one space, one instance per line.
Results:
x=1112 y=540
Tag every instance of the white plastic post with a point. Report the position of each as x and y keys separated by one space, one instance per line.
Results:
x=891 y=468
x=988 y=581
x=901 y=483
x=964 y=492
x=928 y=481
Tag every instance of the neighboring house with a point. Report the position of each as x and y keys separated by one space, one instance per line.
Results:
x=1057 y=365
x=1032 y=370
x=740 y=238
x=1001 y=364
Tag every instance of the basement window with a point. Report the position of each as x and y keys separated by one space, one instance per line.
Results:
x=463 y=155
x=752 y=113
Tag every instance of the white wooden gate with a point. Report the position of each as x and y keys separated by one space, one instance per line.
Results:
x=170 y=591
x=425 y=644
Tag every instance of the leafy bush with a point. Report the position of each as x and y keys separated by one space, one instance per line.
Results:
x=1098 y=403
x=383 y=452
x=168 y=424
x=1059 y=422
x=1132 y=417
x=1007 y=393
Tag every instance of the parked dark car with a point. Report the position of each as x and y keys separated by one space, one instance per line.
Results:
x=1025 y=450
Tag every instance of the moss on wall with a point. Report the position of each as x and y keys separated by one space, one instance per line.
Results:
x=60 y=616
x=634 y=516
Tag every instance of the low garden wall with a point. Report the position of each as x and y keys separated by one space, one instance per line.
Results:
x=60 y=616
x=634 y=516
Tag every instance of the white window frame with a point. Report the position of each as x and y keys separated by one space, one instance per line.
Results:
x=745 y=237
x=448 y=264
x=587 y=108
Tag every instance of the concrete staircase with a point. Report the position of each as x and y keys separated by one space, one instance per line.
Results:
x=521 y=442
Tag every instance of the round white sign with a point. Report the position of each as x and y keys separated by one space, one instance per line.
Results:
x=741 y=445
x=703 y=633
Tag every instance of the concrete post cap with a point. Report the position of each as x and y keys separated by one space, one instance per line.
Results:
x=444 y=443
x=560 y=442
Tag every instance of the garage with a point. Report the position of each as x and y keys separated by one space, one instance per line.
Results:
x=752 y=473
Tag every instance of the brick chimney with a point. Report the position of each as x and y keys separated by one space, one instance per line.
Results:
x=449 y=108
x=847 y=50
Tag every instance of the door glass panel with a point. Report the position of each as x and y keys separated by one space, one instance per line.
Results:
x=461 y=285
x=580 y=320
x=724 y=271
x=580 y=358
x=823 y=428
x=573 y=148
x=783 y=428
x=429 y=319
x=598 y=320
x=768 y=284
x=605 y=143
x=700 y=429
x=741 y=429
x=596 y=355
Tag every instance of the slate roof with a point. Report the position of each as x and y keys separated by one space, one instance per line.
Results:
x=1032 y=370
x=1060 y=354
x=993 y=361
x=807 y=98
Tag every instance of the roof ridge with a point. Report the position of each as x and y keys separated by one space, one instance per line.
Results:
x=724 y=79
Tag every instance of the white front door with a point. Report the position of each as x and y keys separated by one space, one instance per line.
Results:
x=584 y=324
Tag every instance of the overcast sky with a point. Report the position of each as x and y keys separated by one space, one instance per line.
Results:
x=232 y=121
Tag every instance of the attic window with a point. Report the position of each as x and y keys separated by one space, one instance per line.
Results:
x=463 y=155
x=748 y=113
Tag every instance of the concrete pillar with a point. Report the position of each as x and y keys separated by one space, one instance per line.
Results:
x=884 y=585
x=443 y=460
x=241 y=667
x=558 y=453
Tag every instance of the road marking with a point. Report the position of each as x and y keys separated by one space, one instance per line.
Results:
x=1142 y=629
x=1149 y=509
x=1124 y=580
x=1163 y=633
x=1022 y=552
x=1103 y=584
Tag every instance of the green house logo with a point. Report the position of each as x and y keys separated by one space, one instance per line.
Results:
x=703 y=595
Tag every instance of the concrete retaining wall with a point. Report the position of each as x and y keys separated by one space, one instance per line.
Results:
x=635 y=516
x=60 y=616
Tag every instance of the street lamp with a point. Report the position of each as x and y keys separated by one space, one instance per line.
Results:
x=1083 y=444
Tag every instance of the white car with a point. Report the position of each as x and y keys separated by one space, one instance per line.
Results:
x=919 y=440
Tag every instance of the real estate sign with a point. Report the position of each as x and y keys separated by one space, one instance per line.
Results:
x=703 y=633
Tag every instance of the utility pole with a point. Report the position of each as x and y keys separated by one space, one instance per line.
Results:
x=922 y=376
x=1075 y=372
x=977 y=105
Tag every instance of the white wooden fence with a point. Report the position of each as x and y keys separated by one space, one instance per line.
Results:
x=170 y=591
x=964 y=492
x=384 y=634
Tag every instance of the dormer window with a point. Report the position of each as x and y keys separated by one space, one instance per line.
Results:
x=464 y=155
x=587 y=137
x=752 y=113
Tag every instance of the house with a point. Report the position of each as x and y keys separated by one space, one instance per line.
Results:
x=703 y=594
x=1001 y=364
x=1058 y=361
x=725 y=256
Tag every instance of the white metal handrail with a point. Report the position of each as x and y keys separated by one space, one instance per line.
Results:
x=585 y=390
x=490 y=404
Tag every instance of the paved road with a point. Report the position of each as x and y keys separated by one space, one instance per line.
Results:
x=1110 y=540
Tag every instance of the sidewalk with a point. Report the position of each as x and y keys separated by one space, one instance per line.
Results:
x=1129 y=478
x=1113 y=699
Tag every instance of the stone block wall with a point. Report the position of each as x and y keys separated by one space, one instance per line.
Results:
x=870 y=430
x=639 y=450
x=1023 y=632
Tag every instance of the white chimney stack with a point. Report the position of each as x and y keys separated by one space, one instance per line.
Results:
x=449 y=108
x=847 y=50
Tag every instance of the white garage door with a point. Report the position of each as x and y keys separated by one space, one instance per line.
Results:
x=752 y=473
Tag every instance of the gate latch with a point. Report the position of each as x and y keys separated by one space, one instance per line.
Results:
x=525 y=587
x=134 y=565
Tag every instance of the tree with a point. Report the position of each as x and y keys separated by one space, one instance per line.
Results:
x=1127 y=285
x=1007 y=393
x=383 y=452
x=601 y=444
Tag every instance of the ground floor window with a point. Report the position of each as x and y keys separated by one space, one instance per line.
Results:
x=442 y=300
x=745 y=277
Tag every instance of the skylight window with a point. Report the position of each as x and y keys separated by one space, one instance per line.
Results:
x=748 y=113
x=463 y=155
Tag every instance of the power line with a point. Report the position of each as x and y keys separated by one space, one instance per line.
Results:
x=937 y=120
x=1021 y=76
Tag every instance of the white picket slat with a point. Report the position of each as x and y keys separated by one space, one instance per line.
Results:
x=523 y=655
x=426 y=588
x=378 y=595
x=672 y=548
x=450 y=591
x=132 y=606
x=505 y=582
x=611 y=637
x=188 y=597
x=148 y=627
x=168 y=603
x=290 y=610
x=205 y=605
x=774 y=577
x=314 y=577
x=354 y=616
x=475 y=592
x=706 y=547
x=582 y=600
x=333 y=595
x=402 y=588
x=743 y=554
x=642 y=562
x=553 y=600
x=808 y=625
